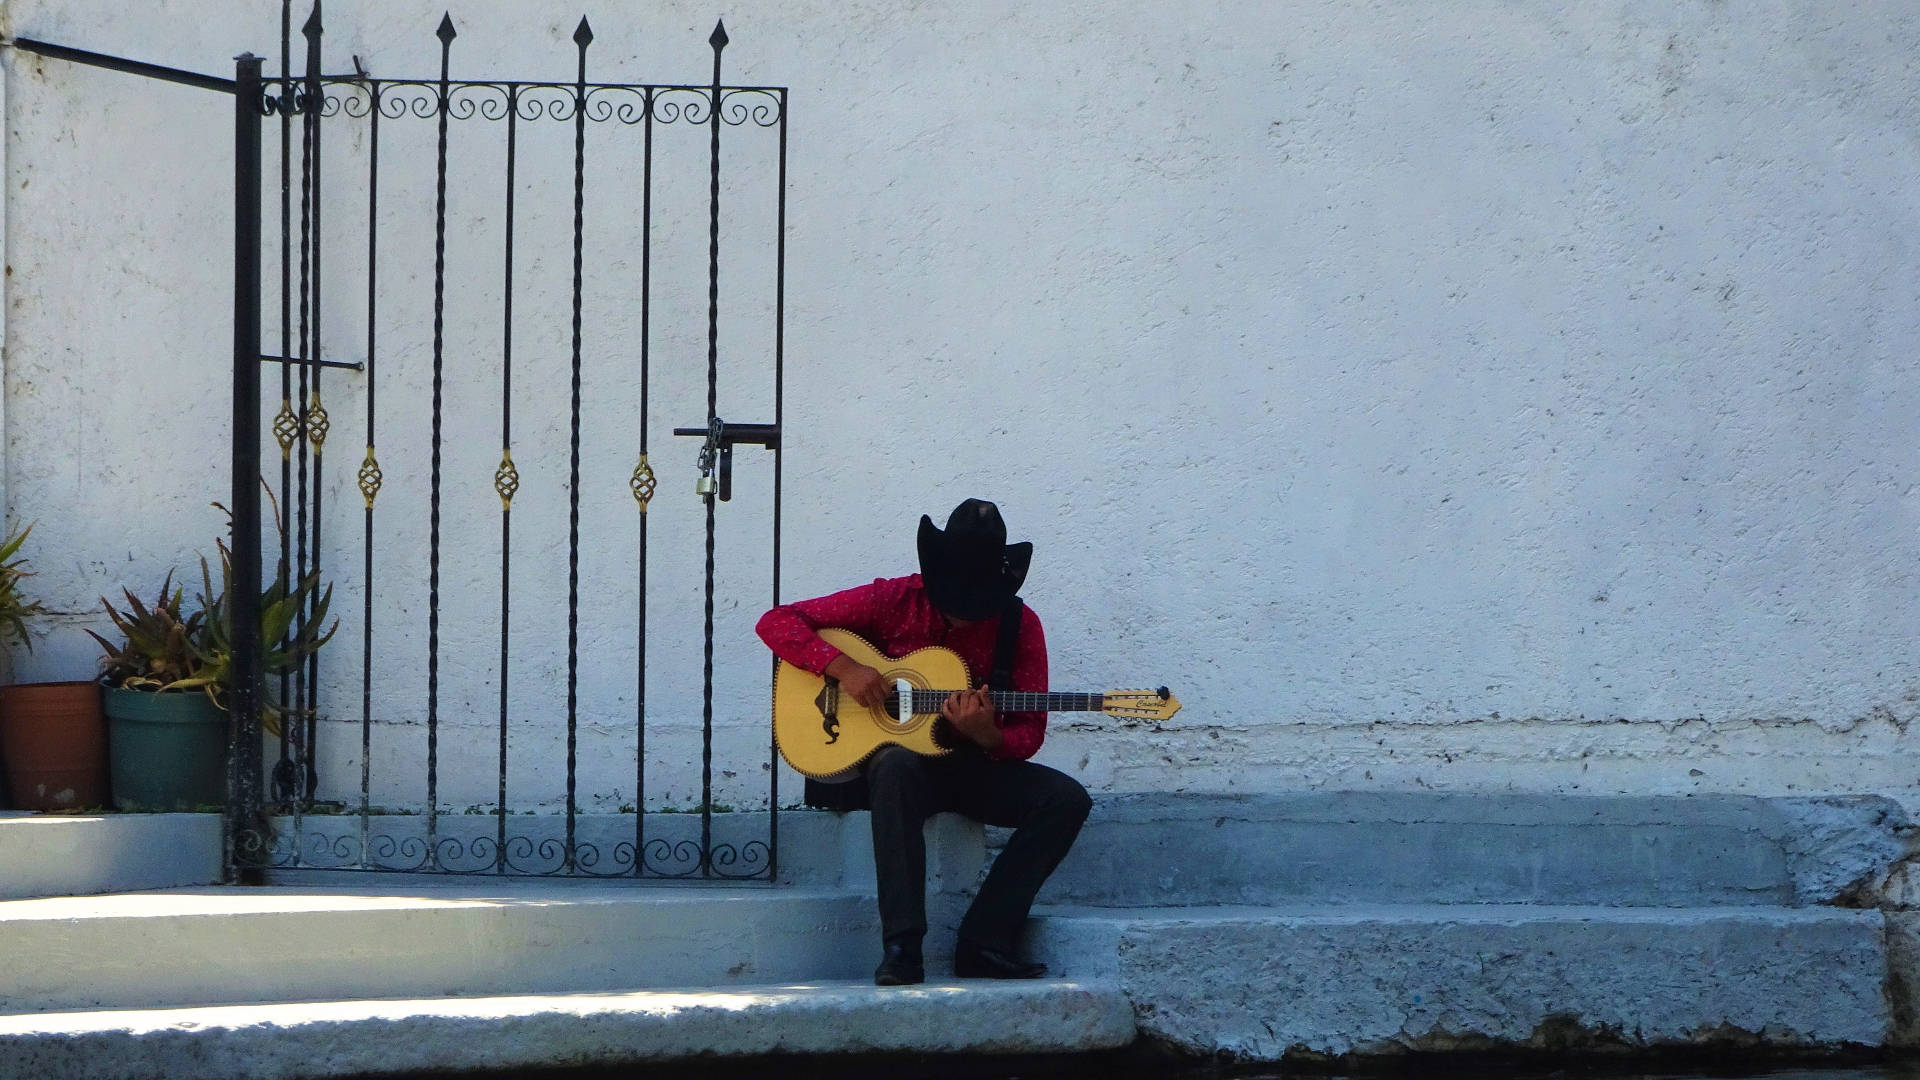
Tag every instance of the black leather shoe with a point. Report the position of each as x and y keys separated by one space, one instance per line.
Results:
x=972 y=961
x=900 y=967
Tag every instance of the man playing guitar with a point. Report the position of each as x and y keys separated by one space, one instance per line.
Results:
x=966 y=589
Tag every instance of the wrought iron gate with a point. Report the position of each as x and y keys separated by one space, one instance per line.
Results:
x=272 y=810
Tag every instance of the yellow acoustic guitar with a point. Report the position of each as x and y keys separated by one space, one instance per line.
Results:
x=825 y=734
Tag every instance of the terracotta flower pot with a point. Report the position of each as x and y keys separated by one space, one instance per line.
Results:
x=54 y=744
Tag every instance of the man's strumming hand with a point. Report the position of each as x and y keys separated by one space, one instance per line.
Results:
x=972 y=714
x=860 y=682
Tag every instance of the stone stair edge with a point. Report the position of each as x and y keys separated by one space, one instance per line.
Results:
x=1493 y=808
x=399 y=1036
x=223 y=901
x=1499 y=913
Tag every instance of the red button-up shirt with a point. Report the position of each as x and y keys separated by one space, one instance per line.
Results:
x=897 y=617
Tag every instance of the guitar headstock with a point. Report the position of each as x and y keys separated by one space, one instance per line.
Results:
x=1157 y=704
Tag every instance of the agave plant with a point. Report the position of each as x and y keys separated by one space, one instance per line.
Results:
x=162 y=647
x=166 y=650
x=286 y=640
x=15 y=609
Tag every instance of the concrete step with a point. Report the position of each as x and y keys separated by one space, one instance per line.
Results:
x=1420 y=848
x=628 y=1028
x=75 y=855
x=567 y=974
x=1136 y=851
x=1260 y=982
x=428 y=938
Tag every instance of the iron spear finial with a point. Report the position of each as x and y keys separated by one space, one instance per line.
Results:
x=312 y=27
x=719 y=38
x=583 y=35
x=446 y=33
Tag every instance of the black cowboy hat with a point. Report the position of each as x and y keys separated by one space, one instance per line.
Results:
x=969 y=569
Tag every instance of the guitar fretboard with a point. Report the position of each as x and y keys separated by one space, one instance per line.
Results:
x=926 y=701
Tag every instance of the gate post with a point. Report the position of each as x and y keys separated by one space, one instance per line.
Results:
x=246 y=834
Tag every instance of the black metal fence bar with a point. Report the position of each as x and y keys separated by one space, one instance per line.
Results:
x=582 y=37
x=643 y=484
x=485 y=99
x=506 y=480
x=344 y=365
x=284 y=421
x=245 y=843
x=307 y=714
x=719 y=42
x=290 y=774
x=779 y=423
x=121 y=63
x=287 y=772
x=369 y=480
x=446 y=34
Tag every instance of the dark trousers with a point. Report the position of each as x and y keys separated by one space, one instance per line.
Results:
x=1043 y=806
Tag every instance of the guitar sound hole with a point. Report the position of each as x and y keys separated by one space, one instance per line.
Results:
x=892 y=709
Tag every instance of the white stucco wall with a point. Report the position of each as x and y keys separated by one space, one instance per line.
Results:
x=1463 y=396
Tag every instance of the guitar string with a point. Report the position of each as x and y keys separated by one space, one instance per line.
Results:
x=1021 y=700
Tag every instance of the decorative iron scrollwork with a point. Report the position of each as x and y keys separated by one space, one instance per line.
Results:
x=506 y=480
x=682 y=104
x=397 y=99
x=539 y=856
x=643 y=483
x=317 y=423
x=749 y=105
x=286 y=427
x=749 y=860
x=370 y=478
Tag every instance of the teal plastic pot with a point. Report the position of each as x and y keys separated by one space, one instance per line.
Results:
x=166 y=751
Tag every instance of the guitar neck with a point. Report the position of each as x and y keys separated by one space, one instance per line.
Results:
x=925 y=701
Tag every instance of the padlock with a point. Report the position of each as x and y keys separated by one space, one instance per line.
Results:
x=705 y=485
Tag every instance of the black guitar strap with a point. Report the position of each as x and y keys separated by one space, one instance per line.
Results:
x=1004 y=648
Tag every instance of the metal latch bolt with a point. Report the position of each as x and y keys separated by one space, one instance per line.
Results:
x=716 y=454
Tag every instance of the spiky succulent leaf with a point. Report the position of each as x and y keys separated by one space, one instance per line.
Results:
x=12 y=546
x=15 y=608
